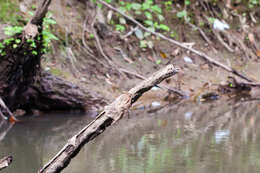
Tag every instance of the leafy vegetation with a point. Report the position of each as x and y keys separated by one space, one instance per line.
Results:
x=47 y=37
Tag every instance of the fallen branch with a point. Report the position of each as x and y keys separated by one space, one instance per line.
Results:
x=5 y=162
x=111 y=114
x=201 y=54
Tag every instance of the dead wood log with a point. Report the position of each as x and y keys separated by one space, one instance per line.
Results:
x=5 y=162
x=49 y=92
x=110 y=115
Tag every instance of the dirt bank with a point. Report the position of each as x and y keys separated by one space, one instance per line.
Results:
x=77 y=56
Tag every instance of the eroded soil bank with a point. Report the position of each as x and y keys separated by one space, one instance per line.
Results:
x=77 y=56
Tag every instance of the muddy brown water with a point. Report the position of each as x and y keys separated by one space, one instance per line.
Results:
x=222 y=136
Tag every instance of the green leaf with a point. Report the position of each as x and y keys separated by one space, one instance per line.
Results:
x=34 y=52
x=128 y=6
x=30 y=13
x=211 y=20
x=49 y=21
x=12 y=30
x=145 y=6
x=17 y=41
x=8 y=41
x=14 y=46
x=148 y=22
x=160 y=17
x=187 y=2
x=143 y=44
x=156 y=9
x=122 y=9
x=121 y=2
x=182 y=14
x=138 y=12
x=158 y=61
x=164 y=27
x=2 y=45
x=120 y=28
x=148 y=15
x=136 y=6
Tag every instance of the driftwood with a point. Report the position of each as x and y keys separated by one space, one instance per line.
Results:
x=5 y=162
x=110 y=115
x=201 y=54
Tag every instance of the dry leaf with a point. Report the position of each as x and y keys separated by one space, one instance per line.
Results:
x=258 y=53
x=163 y=55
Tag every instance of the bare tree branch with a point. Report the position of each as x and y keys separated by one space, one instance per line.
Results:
x=41 y=12
x=111 y=114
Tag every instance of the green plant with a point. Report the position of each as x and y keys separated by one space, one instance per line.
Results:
x=183 y=15
x=168 y=5
x=47 y=36
x=120 y=27
x=151 y=11
x=253 y=3
x=12 y=30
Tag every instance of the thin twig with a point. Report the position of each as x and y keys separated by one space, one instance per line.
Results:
x=201 y=54
x=202 y=33
x=217 y=34
x=129 y=33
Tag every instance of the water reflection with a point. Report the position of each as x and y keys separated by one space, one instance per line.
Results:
x=190 y=138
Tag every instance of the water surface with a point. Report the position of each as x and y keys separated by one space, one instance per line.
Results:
x=222 y=136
